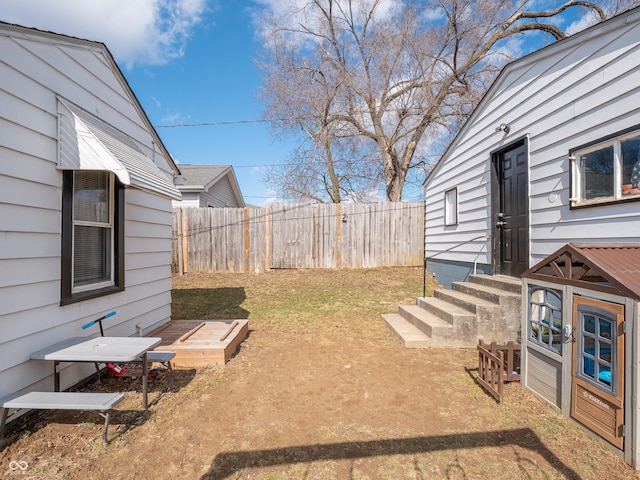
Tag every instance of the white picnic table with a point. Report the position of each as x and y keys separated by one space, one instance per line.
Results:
x=99 y=350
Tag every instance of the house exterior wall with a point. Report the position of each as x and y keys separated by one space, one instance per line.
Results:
x=569 y=94
x=219 y=195
x=36 y=68
x=189 y=199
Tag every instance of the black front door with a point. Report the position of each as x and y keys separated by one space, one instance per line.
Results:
x=512 y=216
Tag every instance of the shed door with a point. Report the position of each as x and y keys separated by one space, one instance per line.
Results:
x=512 y=219
x=597 y=399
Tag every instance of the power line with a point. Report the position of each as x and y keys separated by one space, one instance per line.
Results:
x=209 y=124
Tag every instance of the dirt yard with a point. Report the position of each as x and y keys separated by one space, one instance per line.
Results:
x=320 y=390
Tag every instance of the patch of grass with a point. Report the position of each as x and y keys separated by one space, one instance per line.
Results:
x=307 y=298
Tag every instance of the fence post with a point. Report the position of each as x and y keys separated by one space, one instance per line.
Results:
x=247 y=241
x=179 y=249
x=185 y=241
x=267 y=238
x=339 y=235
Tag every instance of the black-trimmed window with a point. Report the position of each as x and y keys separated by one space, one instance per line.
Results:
x=607 y=170
x=92 y=235
x=545 y=318
x=451 y=207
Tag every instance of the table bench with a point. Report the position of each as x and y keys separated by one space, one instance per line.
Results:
x=100 y=402
x=163 y=358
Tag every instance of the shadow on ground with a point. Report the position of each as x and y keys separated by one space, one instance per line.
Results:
x=208 y=303
x=226 y=464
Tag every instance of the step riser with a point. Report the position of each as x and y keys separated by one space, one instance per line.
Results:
x=425 y=327
x=497 y=282
x=447 y=297
x=407 y=337
x=454 y=319
x=470 y=290
x=412 y=338
x=485 y=307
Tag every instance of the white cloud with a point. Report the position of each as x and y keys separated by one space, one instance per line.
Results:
x=581 y=23
x=149 y=32
x=173 y=119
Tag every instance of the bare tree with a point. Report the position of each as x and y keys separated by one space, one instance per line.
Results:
x=328 y=165
x=403 y=75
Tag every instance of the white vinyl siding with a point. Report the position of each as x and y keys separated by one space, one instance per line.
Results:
x=569 y=94
x=35 y=68
x=219 y=195
x=189 y=199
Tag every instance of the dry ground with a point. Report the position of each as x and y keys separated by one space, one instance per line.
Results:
x=320 y=390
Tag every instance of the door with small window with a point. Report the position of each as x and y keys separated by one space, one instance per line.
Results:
x=598 y=367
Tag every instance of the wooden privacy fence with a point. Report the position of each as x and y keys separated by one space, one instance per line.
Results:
x=298 y=236
x=498 y=364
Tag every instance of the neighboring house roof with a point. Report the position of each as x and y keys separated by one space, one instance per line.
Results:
x=532 y=58
x=609 y=267
x=203 y=178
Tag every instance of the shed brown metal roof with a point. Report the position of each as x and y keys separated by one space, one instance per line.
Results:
x=608 y=267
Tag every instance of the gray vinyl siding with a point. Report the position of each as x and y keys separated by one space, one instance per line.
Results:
x=219 y=195
x=189 y=199
x=36 y=68
x=544 y=377
x=566 y=95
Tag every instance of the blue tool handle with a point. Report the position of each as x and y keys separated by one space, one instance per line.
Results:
x=93 y=322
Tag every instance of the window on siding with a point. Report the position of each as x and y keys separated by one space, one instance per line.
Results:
x=451 y=207
x=92 y=263
x=545 y=318
x=608 y=171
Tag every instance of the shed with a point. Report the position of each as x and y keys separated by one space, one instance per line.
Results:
x=580 y=325
x=208 y=186
x=85 y=203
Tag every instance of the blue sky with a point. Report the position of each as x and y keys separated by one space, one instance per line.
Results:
x=215 y=81
x=188 y=62
x=204 y=73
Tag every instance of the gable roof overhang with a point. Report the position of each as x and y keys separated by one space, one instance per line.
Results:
x=87 y=143
x=632 y=15
x=606 y=267
x=13 y=29
x=201 y=178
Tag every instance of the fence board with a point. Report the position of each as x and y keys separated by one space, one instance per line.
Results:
x=298 y=236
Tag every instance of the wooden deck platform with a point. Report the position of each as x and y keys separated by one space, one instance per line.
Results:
x=201 y=342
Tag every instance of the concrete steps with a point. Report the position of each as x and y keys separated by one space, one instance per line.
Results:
x=486 y=307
